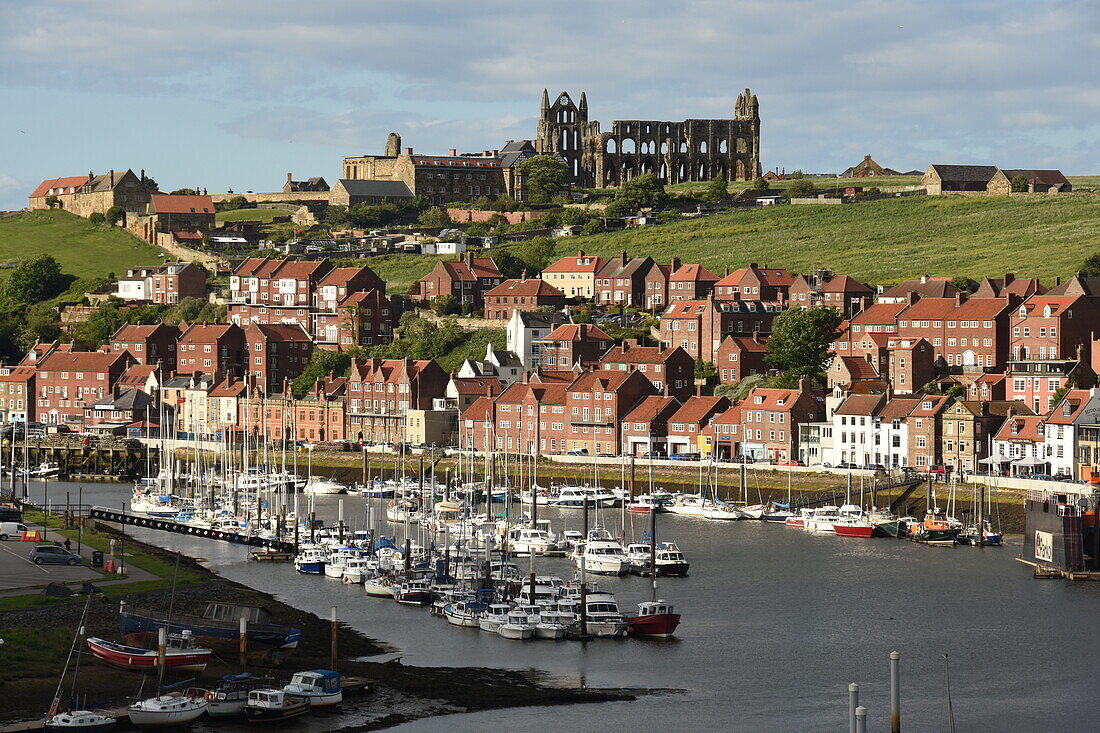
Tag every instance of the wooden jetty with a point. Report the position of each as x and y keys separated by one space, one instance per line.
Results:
x=117 y=516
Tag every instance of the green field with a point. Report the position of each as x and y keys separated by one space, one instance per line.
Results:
x=821 y=183
x=262 y=215
x=85 y=250
x=881 y=242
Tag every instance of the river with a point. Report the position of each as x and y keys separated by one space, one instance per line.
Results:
x=776 y=623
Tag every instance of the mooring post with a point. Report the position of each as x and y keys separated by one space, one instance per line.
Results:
x=861 y=720
x=853 y=703
x=895 y=693
x=243 y=641
x=340 y=520
x=333 y=624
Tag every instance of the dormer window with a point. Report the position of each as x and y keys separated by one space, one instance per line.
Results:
x=1023 y=311
x=758 y=400
x=926 y=405
x=1046 y=311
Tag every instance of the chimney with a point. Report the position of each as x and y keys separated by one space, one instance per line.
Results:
x=1009 y=277
x=143 y=174
x=756 y=337
x=580 y=253
x=923 y=279
x=622 y=257
x=289 y=177
x=753 y=265
x=698 y=390
x=959 y=298
x=496 y=153
x=112 y=178
x=675 y=264
x=408 y=151
x=454 y=152
x=727 y=271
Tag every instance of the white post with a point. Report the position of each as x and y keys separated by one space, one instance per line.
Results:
x=861 y=719
x=853 y=703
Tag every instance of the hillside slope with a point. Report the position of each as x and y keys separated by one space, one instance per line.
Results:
x=85 y=250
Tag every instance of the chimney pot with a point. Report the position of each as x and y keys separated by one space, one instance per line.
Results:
x=454 y=152
x=923 y=279
x=289 y=177
x=408 y=151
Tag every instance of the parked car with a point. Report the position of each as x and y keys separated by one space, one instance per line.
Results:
x=939 y=469
x=846 y=465
x=874 y=467
x=792 y=462
x=53 y=555
x=577 y=452
x=684 y=457
x=742 y=459
x=653 y=454
x=11 y=529
x=607 y=455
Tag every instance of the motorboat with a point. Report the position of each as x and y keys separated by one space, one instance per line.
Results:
x=83 y=721
x=528 y=541
x=174 y=708
x=494 y=616
x=545 y=596
x=357 y=570
x=655 y=619
x=602 y=557
x=550 y=625
x=464 y=613
x=380 y=586
x=45 y=469
x=574 y=497
x=602 y=617
x=311 y=560
x=797 y=519
x=517 y=625
x=181 y=653
x=270 y=706
x=230 y=696
x=987 y=537
x=413 y=593
x=853 y=522
x=321 y=686
x=322 y=485
x=822 y=519
x=670 y=559
x=936 y=529
x=655 y=501
x=695 y=505
x=218 y=628
x=403 y=510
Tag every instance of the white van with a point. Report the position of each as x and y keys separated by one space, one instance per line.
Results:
x=11 y=529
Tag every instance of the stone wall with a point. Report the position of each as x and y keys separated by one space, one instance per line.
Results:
x=276 y=197
x=467 y=216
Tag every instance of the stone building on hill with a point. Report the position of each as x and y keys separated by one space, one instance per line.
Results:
x=868 y=168
x=87 y=195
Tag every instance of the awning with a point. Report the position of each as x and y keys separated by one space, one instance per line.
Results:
x=1026 y=462
x=995 y=460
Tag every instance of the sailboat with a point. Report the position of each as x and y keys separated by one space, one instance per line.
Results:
x=656 y=617
x=86 y=721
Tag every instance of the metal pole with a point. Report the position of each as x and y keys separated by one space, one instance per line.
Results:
x=243 y=631
x=861 y=720
x=162 y=653
x=853 y=703
x=79 y=524
x=895 y=693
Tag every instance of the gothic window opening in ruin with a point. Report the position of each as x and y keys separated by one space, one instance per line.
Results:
x=740 y=169
x=576 y=168
x=703 y=146
x=723 y=147
x=702 y=172
x=741 y=145
x=565 y=139
x=610 y=147
x=681 y=173
x=663 y=175
x=664 y=147
x=576 y=139
x=627 y=146
x=683 y=146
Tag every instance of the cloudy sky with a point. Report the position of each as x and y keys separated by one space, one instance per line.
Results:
x=236 y=94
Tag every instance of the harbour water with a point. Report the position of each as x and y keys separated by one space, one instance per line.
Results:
x=776 y=623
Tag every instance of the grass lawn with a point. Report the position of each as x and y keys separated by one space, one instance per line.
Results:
x=821 y=183
x=262 y=215
x=83 y=249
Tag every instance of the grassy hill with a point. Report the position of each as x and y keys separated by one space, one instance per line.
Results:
x=881 y=242
x=85 y=250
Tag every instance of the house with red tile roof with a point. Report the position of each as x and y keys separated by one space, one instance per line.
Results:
x=645 y=426
x=966 y=333
x=521 y=295
x=671 y=370
x=926 y=430
x=622 y=281
x=698 y=326
x=687 y=427
x=923 y=287
x=741 y=356
x=364 y=318
x=656 y=284
x=68 y=381
x=62 y=188
x=573 y=343
x=90 y=194
x=691 y=282
x=276 y=355
x=146 y=377
x=770 y=420
x=575 y=276
x=724 y=432
x=17 y=393
x=1075 y=412
x=846 y=371
x=382 y=391
x=1020 y=447
x=755 y=283
x=153 y=344
x=174 y=214
x=339 y=283
x=265 y=290
x=1000 y=287
x=910 y=364
x=467 y=279
x=216 y=349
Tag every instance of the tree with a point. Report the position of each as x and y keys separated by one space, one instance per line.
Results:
x=1019 y=184
x=114 y=215
x=536 y=253
x=595 y=226
x=435 y=217
x=185 y=192
x=1091 y=266
x=799 y=344
x=717 y=190
x=237 y=202
x=965 y=284
x=547 y=175
x=705 y=369
x=321 y=364
x=52 y=201
x=34 y=280
x=148 y=184
x=444 y=305
x=801 y=188
x=761 y=184
x=96 y=218
x=477 y=229
x=641 y=192
x=796 y=176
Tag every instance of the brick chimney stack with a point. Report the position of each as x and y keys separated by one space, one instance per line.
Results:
x=1009 y=277
x=289 y=177
x=454 y=152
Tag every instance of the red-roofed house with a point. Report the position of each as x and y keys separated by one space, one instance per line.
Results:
x=741 y=356
x=911 y=364
x=656 y=284
x=770 y=419
x=622 y=281
x=17 y=393
x=670 y=368
x=153 y=344
x=595 y=402
x=967 y=334
x=340 y=283
x=575 y=276
x=691 y=282
x=846 y=371
x=1020 y=440
x=698 y=326
x=364 y=318
x=62 y=188
x=467 y=279
x=264 y=290
x=216 y=349
x=687 y=431
x=724 y=431
x=521 y=295
x=68 y=381
x=175 y=214
x=382 y=391
x=755 y=283
x=276 y=354
x=645 y=426
x=572 y=343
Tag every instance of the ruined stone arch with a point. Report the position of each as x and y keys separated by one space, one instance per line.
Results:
x=627 y=146
x=701 y=172
x=740 y=170
x=723 y=146
x=664 y=147
x=741 y=145
x=611 y=146
x=663 y=173
x=703 y=147
x=683 y=146
x=681 y=172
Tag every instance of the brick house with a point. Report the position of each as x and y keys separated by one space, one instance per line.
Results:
x=770 y=420
x=175 y=214
x=690 y=282
x=223 y=402
x=320 y=414
x=848 y=371
x=216 y=349
x=339 y=283
x=141 y=376
x=656 y=284
x=364 y=318
x=755 y=283
x=69 y=381
x=380 y=391
x=153 y=344
x=724 y=431
x=575 y=276
x=166 y=285
x=464 y=391
x=1035 y=382
x=925 y=431
x=572 y=343
x=1000 y=287
x=467 y=279
x=645 y=426
x=264 y=290
x=741 y=356
x=670 y=368
x=698 y=326
x=595 y=403
x=114 y=414
x=276 y=354
x=1053 y=327
x=924 y=287
x=622 y=281
x=968 y=427
x=16 y=393
x=967 y=334
x=687 y=427
x=911 y=364
x=845 y=293
x=521 y=295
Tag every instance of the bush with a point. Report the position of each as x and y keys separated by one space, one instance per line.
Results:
x=761 y=184
x=97 y=218
x=115 y=215
x=444 y=305
x=801 y=188
x=435 y=217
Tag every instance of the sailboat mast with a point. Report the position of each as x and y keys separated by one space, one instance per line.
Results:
x=653 y=548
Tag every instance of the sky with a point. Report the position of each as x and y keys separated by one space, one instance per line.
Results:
x=233 y=95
